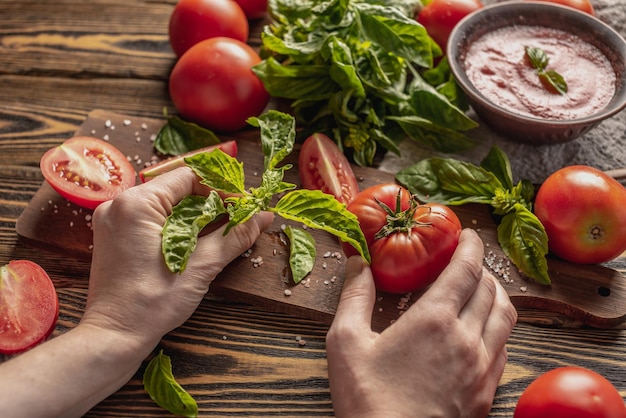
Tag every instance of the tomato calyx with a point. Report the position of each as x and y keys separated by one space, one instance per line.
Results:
x=399 y=220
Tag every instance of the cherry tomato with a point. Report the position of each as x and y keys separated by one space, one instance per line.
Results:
x=213 y=85
x=29 y=306
x=87 y=171
x=582 y=210
x=439 y=17
x=193 y=21
x=582 y=5
x=148 y=173
x=322 y=166
x=410 y=244
x=254 y=9
x=568 y=392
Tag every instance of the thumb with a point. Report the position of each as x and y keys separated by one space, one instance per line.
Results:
x=358 y=296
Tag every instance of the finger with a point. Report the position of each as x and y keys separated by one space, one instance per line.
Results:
x=173 y=186
x=356 y=303
x=501 y=320
x=215 y=250
x=477 y=309
x=459 y=280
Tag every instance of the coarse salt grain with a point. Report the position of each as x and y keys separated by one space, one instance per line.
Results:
x=287 y=292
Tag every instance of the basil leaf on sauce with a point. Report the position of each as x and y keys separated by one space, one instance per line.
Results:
x=551 y=79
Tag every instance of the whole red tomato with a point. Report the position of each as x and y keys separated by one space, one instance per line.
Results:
x=582 y=5
x=213 y=85
x=254 y=9
x=583 y=212
x=87 y=171
x=439 y=17
x=193 y=21
x=568 y=392
x=410 y=244
x=322 y=166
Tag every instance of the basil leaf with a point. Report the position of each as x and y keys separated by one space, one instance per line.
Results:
x=177 y=137
x=319 y=210
x=449 y=181
x=434 y=136
x=182 y=226
x=555 y=80
x=278 y=134
x=302 y=252
x=523 y=239
x=498 y=163
x=241 y=209
x=159 y=382
x=342 y=70
x=218 y=170
x=295 y=81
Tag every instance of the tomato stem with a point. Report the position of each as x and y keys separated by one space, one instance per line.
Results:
x=399 y=220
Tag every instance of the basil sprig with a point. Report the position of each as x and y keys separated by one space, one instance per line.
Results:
x=223 y=173
x=452 y=182
x=362 y=72
x=159 y=382
x=178 y=136
x=539 y=61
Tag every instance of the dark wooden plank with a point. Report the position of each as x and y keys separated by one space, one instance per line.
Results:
x=593 y=295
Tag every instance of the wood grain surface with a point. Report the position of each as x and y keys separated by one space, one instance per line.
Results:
x=60 y=60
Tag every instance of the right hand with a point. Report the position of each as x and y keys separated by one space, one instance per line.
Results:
x=443 y=357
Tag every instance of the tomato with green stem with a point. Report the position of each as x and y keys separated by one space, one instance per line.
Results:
x=409 y=243
x=322 y=166
x=582 y=211
x=29 y=306
x=87 y=171
x=570 y=391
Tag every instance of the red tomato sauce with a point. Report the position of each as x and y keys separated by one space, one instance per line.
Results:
x=495 y=63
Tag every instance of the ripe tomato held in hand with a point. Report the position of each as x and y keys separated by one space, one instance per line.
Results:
x=410 y=244
x=568 y=392
x=29 y=306
x=582 y=5
x=213 y=85
x=439 y=17
x=193 y=21
x=322 y=166
x=87 y=171
x=254 y=9
x=583 y=212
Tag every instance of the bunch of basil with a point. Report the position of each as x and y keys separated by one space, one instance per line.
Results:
x=363 y=73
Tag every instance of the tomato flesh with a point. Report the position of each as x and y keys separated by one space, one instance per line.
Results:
x=87 y=171
x=148 y=173
x=29 y=306
x=405 y=260
x=193 y=21
x=582 y=210
x=570 y=391
x=322 y=166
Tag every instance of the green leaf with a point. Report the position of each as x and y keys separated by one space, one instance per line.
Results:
x=342 y=70
x=322 y=211
x=278 y=134
x=449 y=181
x=182 y=226
x=218 y=170
x=302 y=252
x=312 y=82
x=432 y=135
x=555 y=80
x=539 y=61
x=498 y=163
x=177 y=137
x=523 y=239
x=159 y=382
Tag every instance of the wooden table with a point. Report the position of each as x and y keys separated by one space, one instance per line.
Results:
x=59 y=61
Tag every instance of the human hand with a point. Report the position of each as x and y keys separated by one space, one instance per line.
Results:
x=131 y=289
x=442 y=358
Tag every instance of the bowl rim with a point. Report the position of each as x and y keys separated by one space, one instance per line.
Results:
x=524 y=6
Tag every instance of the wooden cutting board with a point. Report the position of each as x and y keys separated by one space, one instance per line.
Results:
x=593 y=295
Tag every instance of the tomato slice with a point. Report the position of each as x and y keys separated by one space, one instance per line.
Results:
x=148 y=173
x=322 y=166
x=87 y=171
x=29 y=306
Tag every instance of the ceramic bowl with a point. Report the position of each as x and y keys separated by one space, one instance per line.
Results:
x=522 y=127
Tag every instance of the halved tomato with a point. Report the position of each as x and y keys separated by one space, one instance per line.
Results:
x=29 y=306
x=87 y=171
x=148 y=173
x=322 y=166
